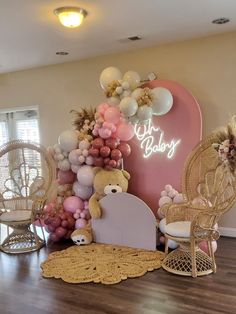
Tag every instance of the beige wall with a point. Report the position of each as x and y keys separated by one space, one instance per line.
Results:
x=206 y=67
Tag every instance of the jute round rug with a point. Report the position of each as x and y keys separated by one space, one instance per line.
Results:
x=100 y=263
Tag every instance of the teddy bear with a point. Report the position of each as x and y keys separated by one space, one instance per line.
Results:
x=106 y=182
x=82 y=236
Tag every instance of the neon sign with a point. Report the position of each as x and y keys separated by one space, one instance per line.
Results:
x=144 y=134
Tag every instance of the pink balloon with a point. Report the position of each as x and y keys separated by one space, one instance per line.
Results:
x=94 y=152
x=125 y=131
x=204 y=247
x=83 y=215
x=97 y=143
x=60 y=232
x=64 y=223
x=56 y=222
x=125 y=149
x=98 y=162
x=105 y=151
x=71 y=203
x=112 y=163
x=116 y=154
x=110 y=126
x=104 y=133
x=112 y=143
x=54 y=237
x=112 y=115
x=66 y=177
x=106 y=161
x=102 y=108
x=80 y=223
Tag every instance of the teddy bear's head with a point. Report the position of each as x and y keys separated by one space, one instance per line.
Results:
x=82 y=236
x=110 y=181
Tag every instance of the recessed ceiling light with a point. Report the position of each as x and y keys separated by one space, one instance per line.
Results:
x=221 y=20
x=70 y=16
x=134 y=38
x=62 y=53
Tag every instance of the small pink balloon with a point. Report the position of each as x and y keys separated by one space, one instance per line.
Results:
x=125 y=131
x=112 y=163
x=94 y=152
x=66 y=177
x=125 y=149
x=89 y=161
x=80 y=223
x=75 y=168
x=98 y=162
x=162 y=239
x=97 y=143
x=56 y=222
x=112 y=115
x=204 y=247
x=64 y=223
x=104 y=133
x=112 y=143
x=76 y=215
x=102 y=108
x=54 y=237
x=116 y=154
x=83 y=215
x=72 y=203
x=60 y=232
x=105 y=151
x=110 y=126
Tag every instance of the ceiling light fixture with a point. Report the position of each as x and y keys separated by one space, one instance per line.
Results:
x=221 y=20
x=70 y=16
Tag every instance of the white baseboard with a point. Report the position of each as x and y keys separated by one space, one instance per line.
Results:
x=228 y=232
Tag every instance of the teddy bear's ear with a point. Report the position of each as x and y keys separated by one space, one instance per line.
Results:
x=126 y=174
x=96 y=170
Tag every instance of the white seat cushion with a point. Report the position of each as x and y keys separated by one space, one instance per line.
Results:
x=16 y=215
x=179 y=229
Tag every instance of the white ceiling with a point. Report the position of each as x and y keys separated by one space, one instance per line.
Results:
x=30 y=34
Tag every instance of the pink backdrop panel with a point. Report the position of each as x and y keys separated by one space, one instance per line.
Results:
x=183 y=122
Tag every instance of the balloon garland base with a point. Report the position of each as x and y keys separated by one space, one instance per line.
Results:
x=100 y=263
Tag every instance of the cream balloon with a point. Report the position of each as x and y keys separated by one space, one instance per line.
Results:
x=128 y=106
x=109 y=75
x=136 y=93
x=162 y=101
x=134 y=119
x=113 y=101
x=144 y=113
x=68 y=140
x=132 y=78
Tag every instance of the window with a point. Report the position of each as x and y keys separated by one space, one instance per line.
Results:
x=22 y=125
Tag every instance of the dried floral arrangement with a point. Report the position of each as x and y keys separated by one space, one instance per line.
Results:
x=84 y=121
x=226 y=144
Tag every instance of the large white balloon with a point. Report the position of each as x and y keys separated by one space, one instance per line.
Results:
x=144 y=113
x=68 y=140
x=85 y=175
x=162 y=101
x=134 y=119
x=82 y=191
x=132 y=78
x=128 y=106
x=108 y=75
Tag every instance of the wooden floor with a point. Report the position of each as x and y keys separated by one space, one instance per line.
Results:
x=24 y=291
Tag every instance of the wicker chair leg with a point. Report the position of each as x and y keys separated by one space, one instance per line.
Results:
x=193 y=257
x=36 y=236
x=166 y=246
x=212 y=255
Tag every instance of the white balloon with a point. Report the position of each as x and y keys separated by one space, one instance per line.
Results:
x=144 y=113
x=84 y=144
x=172 y=244
x=85 y=175
x=68 y=140
x=89 y=161
x=113 y=101
x=64 y=165
x=82 y=191
x=134 y=119
x=128 y=106
x=162 y=101
x=75 y=168
x=109 y=75
x=133 y=78
x=136 y=93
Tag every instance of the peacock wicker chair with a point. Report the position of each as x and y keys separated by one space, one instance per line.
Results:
x=27 y=174
x=209 y=188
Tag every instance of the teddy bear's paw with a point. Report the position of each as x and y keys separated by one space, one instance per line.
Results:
x=96 y=213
